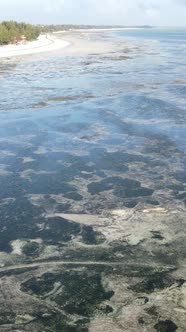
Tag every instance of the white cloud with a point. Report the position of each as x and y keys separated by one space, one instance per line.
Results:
x=54 y=5
x=126 y=12
x=181 y=2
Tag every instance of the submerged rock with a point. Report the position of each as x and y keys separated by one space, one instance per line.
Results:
x=165 y=326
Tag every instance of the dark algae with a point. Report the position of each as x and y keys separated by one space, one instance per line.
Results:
x=31 y=249
x=124 y=188
x=40 y=286
x=7 y=318
x=56 y=322
x=20 y=219
x=81 y=292
x=89 y=236
x=165 y=326
x=93 y=183
x=153 y=282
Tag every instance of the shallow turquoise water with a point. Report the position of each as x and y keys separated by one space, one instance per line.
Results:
x=70 y=124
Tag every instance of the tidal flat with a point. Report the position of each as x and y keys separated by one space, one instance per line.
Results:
x=93 y=185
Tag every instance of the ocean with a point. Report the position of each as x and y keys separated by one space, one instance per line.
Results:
x=92 y=173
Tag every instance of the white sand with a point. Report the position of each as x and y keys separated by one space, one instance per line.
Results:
x=97 y=30
x=106 y=29
x=44 y=43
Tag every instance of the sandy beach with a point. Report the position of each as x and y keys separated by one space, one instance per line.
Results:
x=44 y=43
x=80 y=42
x=88 y=42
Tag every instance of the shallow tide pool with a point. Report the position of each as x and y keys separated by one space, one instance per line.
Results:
x=92 y=160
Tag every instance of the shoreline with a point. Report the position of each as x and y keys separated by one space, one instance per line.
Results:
x=96 y=30
x=51 y=43
x=45 y=43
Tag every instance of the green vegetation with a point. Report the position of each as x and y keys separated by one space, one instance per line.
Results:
x=12 y=32
x=63 y=27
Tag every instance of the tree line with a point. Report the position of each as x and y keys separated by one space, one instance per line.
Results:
x=11 y=31
x=66 y=27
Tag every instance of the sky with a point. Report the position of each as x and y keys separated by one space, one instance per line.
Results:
x=121 y=12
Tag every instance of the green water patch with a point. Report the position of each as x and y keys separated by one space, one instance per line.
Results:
x=17 y=271
x=163 y=147
x=19 y=219
x=102 y=254
x=31 y=249
x=56 y=322
x=65 y=167
x=123 y=188
x=152 y=202
x=130 y=204
x=63 y=208
x=13 y=186
x=116 y=161
x=7 y=318
x=74 y=196
x=89 y=236
x=148 y=108
x=114 y=252
x=181 y=196
x=81 y=294
x=153 y=282
x=169 y=252
x=49 y=184
x=40 y=286
x=15 y=163
x=165 y=326
x=78 y=165
x=137 y=271
x=180 y=176
x=48 y=161
x=54 y=183
x=59 y=230
x=176 y=187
